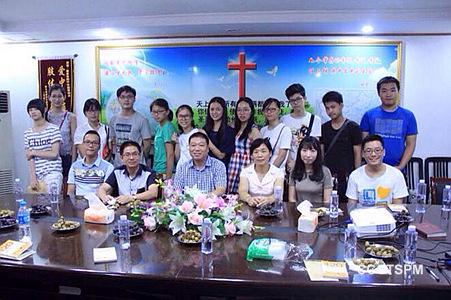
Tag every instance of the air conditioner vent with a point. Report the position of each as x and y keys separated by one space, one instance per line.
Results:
x=6 y=182
x=4 y=108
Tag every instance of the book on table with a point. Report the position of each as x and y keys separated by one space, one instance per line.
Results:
x=430 y=231
x=16 y=250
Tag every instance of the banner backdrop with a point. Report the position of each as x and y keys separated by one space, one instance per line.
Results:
x=60 y=71
x=193 y=74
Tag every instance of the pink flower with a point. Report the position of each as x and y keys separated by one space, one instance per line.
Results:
x=219 y=202
x=186 y=207
x=150 y=223
x=194 y=218
x=230 y=228
x=204 y=203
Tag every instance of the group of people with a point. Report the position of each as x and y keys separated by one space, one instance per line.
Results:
x=295 y=151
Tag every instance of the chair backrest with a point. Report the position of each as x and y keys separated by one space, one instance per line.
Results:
x=414 y=172
x=437 y=167
x=437 y=184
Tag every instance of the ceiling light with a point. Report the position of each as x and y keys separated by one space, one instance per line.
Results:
x=367 y=29
x=107 y=33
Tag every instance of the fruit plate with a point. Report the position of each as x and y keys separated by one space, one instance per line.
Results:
x=71 y=225
x=135 y=231
x=185 y=242
x=37 y=210
x=381 y=251
x=190 y=237
x=268 y=211
x=6 y=213
x=7 y=223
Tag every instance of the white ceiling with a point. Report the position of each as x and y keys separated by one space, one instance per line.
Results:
x=64 y=20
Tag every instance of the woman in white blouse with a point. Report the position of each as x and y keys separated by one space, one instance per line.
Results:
x=257 y=181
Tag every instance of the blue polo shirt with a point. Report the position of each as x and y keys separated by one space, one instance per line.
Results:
x=87 y=178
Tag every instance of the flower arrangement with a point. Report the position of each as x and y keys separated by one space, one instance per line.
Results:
x=182 y=210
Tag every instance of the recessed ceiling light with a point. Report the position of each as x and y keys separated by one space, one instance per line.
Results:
x=367 y=29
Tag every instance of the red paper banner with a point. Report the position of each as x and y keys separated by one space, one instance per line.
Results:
x=60 y=71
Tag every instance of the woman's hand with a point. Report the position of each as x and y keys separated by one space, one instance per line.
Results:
x=175 y=138
x=29 y=154
x=34 y=185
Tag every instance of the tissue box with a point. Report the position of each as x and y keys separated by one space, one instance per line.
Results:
x=99 y=215
x=307 y=222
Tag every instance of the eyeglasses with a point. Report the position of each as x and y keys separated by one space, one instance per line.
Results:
x=375 y=150
x=244 y=110
x=157 y=112
x=127 y=97
x=131 y=154
x=296 y=99
x=270 y=109
x=91 y=143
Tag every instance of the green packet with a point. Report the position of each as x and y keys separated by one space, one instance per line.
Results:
x=267 y=248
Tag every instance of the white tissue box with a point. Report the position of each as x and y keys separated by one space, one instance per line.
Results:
x=308 y=222
x=99 y=215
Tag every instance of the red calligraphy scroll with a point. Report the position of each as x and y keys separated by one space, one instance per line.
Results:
x=60 y=71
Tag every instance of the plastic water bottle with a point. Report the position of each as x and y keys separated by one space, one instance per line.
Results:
x=350 y=242
x=410 y=245
x=23 y=219
x=18 y=189
x=124 y=232
x=278 y=201
x=446 y=198
x=333 y=208
x=421 y=197
x=207 y=237
x=54 y=192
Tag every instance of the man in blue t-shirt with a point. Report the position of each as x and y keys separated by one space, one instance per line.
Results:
x=395 y=124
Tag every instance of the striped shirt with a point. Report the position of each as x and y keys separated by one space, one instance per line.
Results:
x=87 y=178
x=211 y=176
x=122 y=184
x=43 y=141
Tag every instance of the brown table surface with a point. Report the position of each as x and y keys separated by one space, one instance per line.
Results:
x=158 y=264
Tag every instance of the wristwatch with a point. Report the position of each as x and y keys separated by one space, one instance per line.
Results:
x=134 y=197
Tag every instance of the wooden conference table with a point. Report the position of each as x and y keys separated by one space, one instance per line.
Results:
x=157 y=266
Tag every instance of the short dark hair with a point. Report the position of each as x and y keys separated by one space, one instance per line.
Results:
x=261 y=141
x=164 y=104
x=294 y=89
x=125 y=88
x=127 y=144
x=372 y=138
x=188 y=108
x=91 y=103
x=91 y=132
x=269 y=101
x=57 y=87
x=333 y=96
x=387 y=79
x=38 y=104
x=199 y=135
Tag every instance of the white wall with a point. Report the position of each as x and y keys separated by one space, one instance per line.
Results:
x=426 y=84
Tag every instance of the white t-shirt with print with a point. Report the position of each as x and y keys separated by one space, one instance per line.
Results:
x=184 y=150
x=383 y=189
x=297 y=123
x=278 y=143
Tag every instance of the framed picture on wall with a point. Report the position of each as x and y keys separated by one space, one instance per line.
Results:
x=194 y=73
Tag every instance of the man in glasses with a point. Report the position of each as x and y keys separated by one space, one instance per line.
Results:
x=131 y=181
x=395 y=124
x=86 y=174
x=128 y=125
x=375 y=183
x=301 y=122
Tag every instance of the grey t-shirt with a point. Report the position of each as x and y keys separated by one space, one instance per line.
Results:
x=313 y=191
x=134 y=128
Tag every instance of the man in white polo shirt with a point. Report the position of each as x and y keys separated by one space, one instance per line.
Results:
x=131 y=181
x=86 y=174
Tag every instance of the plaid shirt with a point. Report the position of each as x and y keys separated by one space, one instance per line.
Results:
x=211 y=176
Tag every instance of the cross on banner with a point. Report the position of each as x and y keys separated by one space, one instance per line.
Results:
x=241 y=66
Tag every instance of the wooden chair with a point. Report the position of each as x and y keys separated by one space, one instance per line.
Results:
x=438 y=167
x=437 y=184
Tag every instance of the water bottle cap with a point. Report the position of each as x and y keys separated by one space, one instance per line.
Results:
x=123 y=217
x=448 y=186
x=351 y=226
x=412 y=228
x=22 y=202
x=17 y=180
x=207 y=221
x=334 y=192
x=422 y=181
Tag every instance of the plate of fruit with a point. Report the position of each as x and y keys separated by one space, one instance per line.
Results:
x=190 y=237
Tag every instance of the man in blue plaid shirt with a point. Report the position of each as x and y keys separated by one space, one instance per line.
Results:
x=207 y=173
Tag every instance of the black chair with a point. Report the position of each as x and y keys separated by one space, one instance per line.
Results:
x=414 y=172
